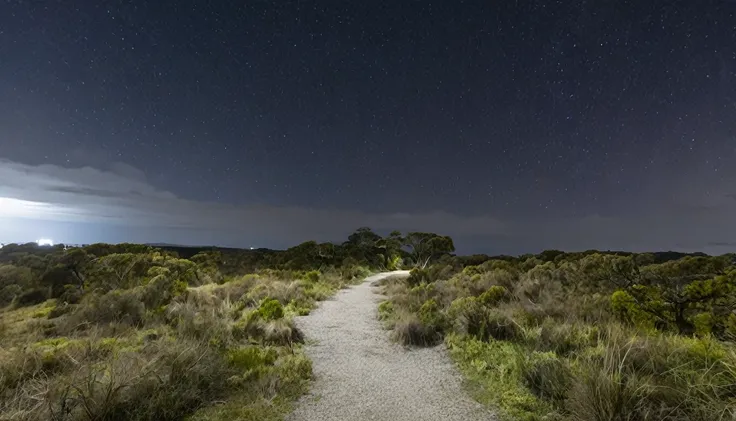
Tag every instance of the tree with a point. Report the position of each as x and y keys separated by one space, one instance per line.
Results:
x=76 y=261
x=117 y=270
x=673 y=293
x=391 y=249
x=364 y=246
x=425 y=247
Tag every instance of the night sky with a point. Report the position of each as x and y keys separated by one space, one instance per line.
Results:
x=513 y=126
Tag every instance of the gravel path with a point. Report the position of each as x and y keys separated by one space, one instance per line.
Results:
x=361 y=375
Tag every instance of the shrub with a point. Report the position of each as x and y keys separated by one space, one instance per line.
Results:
x=354 y=272
x=8 y=293
x=271 y=309
x=161 y=289
x=386 y=310
x=294 y=371
x=431 y=316
x=474 y=319
x=417 y=276
x=496 y=277
x=496 y=325
x=212 y=324
x=703 y=323
x=626 y=308
x=251 y=360
x=115 y=306
x=31 y=297
x=72 y=294
x=312 y=277
x=495 y=295
x=270 y=288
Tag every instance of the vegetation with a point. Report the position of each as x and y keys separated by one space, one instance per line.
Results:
x=119 y=332
x=581 y=336
x=132 y=332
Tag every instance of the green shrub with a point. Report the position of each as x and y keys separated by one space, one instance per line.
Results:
x=271 y=309
x=161 y=289
x=494 y=296
x=251 y=358
x=312 y=277
x=703 y=323
x=295 y=370
x=386 y=310
x=417 y=276
x=431 y=316
x=625 y=306
x=495 y=373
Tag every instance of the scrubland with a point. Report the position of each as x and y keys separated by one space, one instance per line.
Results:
x=583 y=336
x=135 y=333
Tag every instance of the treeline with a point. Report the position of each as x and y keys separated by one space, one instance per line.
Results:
x=30 y=274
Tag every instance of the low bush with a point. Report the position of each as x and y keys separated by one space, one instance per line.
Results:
x=385 y=310
x=32 y=297
x=494 y=296
x=117 y=306
x=271 y=309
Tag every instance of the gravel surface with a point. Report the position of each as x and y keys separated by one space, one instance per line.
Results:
x=360 y=374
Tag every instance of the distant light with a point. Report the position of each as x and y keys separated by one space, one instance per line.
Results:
x=252 y=248
x=45 y=242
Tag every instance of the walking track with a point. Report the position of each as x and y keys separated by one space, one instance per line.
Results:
x=361 y=375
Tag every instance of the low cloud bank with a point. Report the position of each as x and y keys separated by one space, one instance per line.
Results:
x=119 y=204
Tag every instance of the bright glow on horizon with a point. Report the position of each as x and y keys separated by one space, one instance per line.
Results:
x=23 y=208
x=45 y=242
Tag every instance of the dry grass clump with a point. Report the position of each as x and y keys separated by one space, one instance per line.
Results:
x=409 y=330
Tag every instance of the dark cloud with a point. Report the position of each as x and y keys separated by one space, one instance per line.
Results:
x=120 y=205
x=88 y=195
x=81 y=190
x=723 y=244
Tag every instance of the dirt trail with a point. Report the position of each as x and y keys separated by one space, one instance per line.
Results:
x=360 y=374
